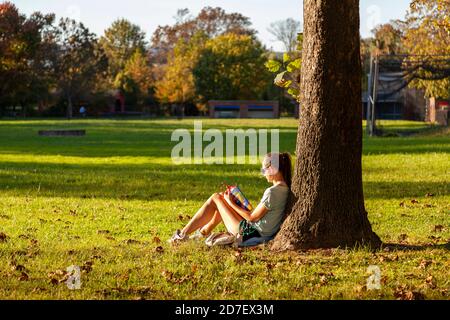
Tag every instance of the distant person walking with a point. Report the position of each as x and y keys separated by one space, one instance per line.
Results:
x=83 y=111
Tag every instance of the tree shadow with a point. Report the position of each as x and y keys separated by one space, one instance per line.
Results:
x=157 y=181
x=415 y=247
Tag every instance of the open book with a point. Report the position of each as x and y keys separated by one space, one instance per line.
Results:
x=239 y=198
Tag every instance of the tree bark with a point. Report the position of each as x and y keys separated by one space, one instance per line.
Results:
x=328 y=202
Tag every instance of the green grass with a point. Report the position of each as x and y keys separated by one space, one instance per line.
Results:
x=105 y=200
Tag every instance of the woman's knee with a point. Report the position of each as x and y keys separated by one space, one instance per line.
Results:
x=214 y=198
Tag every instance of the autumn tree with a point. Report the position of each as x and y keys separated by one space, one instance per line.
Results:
x=77 y=60
x=386 y=40
x=328 y=203
x=177 y=85
x=24 y=67
x=120 y=42
x=231 y=67
x=212 y=21
x=427 y=33
x=136 y=77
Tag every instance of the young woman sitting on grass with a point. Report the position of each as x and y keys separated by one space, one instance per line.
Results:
x=264 y=221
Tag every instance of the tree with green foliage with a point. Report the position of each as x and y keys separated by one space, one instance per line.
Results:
x=288 y=70
x=231 y=67
x=24 y=69
x=177 y=85
x=137 y=77
x=120 y=42
x=428 y=33
x=78 y=60
x=212 y=21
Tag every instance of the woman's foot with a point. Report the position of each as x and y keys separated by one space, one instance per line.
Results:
x=178 y=237
x=199 y=235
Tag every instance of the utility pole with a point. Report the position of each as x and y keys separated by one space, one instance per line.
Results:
x=374 y=95
x=369 y=98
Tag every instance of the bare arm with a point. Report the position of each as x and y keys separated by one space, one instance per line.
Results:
x=251 y=216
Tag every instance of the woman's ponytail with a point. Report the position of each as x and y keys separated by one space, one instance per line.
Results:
x=286 y=168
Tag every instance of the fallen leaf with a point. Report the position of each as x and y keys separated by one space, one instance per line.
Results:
x=402 y=237
x=404 y=293
x=18 y=268
x=435 y=239
x=270 y=266
x=167 y=274
x=156 y=240
x=402 y=204
x=414 y=201
x=429 y=281
x=103 y=232
x=3 y=237
x=438 y=228
x=323 y=280
x=24 y=277
x=132 y=241
x=87 y=267
x=425 y=263
x=360 y=288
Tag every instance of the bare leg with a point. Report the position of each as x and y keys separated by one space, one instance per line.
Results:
x=203 y=216
x=211 y=225
x=230 y=218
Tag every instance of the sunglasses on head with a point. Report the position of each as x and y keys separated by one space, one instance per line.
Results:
x=265 y=169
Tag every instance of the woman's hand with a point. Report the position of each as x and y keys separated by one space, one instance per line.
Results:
x=226 y=196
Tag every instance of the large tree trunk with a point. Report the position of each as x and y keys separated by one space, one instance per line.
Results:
x=328 y=207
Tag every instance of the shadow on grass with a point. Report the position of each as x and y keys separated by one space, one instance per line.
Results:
x=413 y=247
x=114 y=138
x=165 y=181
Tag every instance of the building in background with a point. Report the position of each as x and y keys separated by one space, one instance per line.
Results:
x=244 y=109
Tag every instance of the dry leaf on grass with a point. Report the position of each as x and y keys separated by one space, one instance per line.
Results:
x=430 y=282
x=405 y=293
x=3 y=237
x=425 y=263
x=156 y=240
x=24 y=277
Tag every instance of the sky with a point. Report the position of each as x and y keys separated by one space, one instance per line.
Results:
x=98 y=15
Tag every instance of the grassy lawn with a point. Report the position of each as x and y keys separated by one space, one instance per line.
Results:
x=108 y=202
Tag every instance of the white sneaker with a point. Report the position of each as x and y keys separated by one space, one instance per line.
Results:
x=178 y=237
x=198 y=236
x=220 y=239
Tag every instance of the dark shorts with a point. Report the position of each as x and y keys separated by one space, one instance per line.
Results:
x=247 y=231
